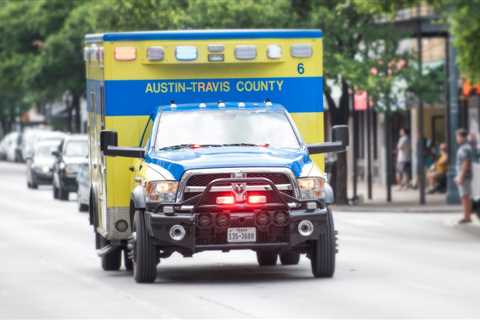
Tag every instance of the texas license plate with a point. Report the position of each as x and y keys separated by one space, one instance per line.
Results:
x=242 y=235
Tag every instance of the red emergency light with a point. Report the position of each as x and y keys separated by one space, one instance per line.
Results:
x=257 y=199
x=225 y=200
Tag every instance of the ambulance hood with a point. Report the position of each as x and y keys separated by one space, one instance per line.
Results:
x=179 y=161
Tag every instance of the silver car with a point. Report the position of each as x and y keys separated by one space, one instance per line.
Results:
x=40 y=163
x=83 y=193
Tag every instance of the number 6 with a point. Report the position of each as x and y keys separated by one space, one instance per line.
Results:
x=300 y=68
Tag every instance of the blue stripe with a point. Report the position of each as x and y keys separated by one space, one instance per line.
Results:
x=205 y=35
x=142 y=97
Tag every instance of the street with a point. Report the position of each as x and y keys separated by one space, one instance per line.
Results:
x=389 y=265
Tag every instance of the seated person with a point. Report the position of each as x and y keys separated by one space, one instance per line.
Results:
x=437 y=174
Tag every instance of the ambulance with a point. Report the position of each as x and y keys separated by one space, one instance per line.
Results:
x=209 y=140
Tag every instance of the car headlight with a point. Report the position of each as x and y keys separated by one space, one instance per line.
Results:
x=161 y=191
x=311 y=188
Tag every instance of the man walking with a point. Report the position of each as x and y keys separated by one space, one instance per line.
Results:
x=464 y=175
x=403 y=159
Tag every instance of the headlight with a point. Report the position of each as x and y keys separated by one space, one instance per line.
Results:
x=311 y=188
x=161 y=191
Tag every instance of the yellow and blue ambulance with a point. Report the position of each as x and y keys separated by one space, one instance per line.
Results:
x=205 y=140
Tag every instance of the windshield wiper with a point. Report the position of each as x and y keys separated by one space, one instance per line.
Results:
x=188 y=146
x=245 y=145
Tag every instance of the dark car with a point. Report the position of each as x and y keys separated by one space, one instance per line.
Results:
x=70 y=156
x=40 y=163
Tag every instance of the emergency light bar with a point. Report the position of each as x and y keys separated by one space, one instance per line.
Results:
x=125 y=53
x=186 y=53
x=245 y=52
x=155 y=53
x=274 y=51
x=215 y=53
x=301 y=50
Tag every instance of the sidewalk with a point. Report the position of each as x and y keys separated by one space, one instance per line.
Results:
x=403 y=201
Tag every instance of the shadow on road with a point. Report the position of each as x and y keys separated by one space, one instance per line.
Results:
x=227 y=274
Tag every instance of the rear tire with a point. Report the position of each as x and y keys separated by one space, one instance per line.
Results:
x=63 y=194
x=55 y=192
x=323 y=251
x=145 y=256
x=266 y=258
x=289 y=258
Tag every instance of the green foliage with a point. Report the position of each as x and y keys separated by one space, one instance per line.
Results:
x=464 y=21
x=42 y=40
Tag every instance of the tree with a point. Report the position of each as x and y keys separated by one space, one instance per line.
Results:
x=464 y=23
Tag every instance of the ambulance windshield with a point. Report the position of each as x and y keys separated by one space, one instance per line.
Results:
x=225 y=127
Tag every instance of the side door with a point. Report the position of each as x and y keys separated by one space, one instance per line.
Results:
x=97 y=160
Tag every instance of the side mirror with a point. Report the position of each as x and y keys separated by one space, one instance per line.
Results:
x=339 y=143
x=56 y=153
x=109 y=146
x=340 y=134
x=108 y=138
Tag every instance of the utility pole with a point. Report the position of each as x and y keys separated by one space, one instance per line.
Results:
x=355 y=148
x=368 y=115
x=420 y=118
x=452 y=119
x=388 y=153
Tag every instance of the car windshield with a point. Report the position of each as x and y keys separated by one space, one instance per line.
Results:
x=45 y=150
x=77 y=148
x=225 y=127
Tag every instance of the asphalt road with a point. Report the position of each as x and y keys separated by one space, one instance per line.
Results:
x=389 y=265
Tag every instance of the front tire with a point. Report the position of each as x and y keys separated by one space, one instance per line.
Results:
x=323 y=251
x=55 y=192
x=145 y=256
x=34 y=184
x=83 y=207
x=266 y=258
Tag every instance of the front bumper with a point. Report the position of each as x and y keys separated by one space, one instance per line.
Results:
x=159 y=225
x=274 y=234
x=69 y=183
x=42 y=177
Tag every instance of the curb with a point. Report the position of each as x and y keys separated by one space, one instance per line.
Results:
x=400 y=209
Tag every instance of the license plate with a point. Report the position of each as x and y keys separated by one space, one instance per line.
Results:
x=242 y=235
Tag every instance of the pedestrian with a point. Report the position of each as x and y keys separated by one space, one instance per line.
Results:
x=403 y=159
x=464 y=175
x=437 y=173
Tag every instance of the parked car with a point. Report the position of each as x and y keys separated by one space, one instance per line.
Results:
x=40 y=163
x=31 y=136
x=4 y=146
x=70 y=155
x=83 y=193
x=12 y=147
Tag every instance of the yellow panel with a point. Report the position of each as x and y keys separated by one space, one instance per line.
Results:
x=311 y=128
x=140 y=69
x=119 y=177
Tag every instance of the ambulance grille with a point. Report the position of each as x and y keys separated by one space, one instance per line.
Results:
x=281 y=180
